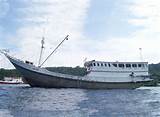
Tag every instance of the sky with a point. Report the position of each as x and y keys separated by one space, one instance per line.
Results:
x=103 y=30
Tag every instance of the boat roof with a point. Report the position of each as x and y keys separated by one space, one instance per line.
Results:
x=93 y=61
x=117 y=61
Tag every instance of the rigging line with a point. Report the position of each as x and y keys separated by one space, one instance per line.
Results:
x=66 y=38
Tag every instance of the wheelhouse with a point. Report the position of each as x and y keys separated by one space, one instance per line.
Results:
x=91 y=65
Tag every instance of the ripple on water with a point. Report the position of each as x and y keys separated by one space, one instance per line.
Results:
x=55 y=99
x=5 y=113
x=23 y=101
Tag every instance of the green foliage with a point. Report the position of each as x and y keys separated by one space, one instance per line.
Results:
x=78 y=71
x=9 y=73
x=154 y=70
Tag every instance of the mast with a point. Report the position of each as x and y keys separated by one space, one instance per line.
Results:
x=66 y=38
x=42 y=47
x=140 y=53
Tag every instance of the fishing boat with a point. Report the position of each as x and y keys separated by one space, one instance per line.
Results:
x=100 y=74
x=11 y=81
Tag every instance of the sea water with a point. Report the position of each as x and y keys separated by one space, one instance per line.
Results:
x=24 y=101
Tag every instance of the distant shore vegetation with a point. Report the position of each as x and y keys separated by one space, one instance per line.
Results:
x=78 y=71
x=154 y=71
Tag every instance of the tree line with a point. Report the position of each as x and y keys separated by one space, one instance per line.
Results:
x=9 y=73
x=78 y=71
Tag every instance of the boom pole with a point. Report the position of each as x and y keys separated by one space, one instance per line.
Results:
x=66 y=38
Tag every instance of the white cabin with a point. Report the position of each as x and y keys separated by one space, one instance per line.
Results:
x=116 y=71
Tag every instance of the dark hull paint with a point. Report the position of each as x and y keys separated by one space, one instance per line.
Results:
x=36 y=79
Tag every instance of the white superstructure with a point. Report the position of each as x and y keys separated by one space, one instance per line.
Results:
x=117 y=71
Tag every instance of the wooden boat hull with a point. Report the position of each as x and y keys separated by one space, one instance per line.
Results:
x=37 y=79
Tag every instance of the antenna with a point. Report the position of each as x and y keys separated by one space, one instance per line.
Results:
x=66 y=38
x=42 y=47
x=85 y=59
x=140 y=53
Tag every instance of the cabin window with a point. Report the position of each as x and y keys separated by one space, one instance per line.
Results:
x=28 y=62
x=105 y=65
x=94 y=64
x=143 y=65
x=115 y=65
x=146 y=65
x=134 y=65
x=128 y=65
x=101 y=64
x=97 y=64
x=109 y=65
x=121 y=65
x=139 y=65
